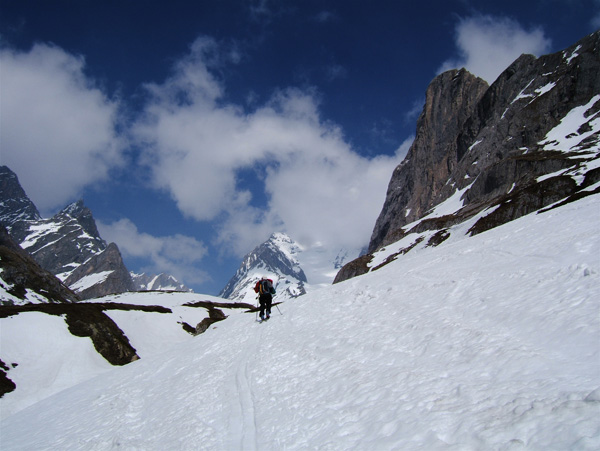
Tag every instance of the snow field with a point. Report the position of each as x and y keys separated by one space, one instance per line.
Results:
x=485 y=342
x=43 y=342
x=50 y=359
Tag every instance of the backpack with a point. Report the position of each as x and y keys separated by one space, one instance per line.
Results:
x=266 y=286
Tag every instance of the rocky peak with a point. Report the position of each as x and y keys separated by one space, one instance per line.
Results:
x=104 y=273
x=24 y=280
x=66 y=244
x=82 y=215
x=275 y=259
x=15 y=206
x=65 y=241
x=451 y=98
x=531 y=140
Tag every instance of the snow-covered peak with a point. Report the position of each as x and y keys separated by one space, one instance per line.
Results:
x=275 y=259
x=160 y=282
x=74 y=209
x=295 y=269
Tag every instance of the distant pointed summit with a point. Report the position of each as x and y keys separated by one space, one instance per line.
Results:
x=275 y=259
x=160 y=282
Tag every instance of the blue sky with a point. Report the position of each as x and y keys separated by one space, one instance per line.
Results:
x=193 y=130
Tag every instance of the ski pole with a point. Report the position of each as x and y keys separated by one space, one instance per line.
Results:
x=279 y=310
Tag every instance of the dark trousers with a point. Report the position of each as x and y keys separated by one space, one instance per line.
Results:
x=265 y=304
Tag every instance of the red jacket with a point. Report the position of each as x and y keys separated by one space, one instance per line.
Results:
x=257 y=286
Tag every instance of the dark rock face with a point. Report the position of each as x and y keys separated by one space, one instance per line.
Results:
x=505 y=146
x=451 y=98
x=108 y=339
x=354 y=268
x=89 y=320
x=67 y=245
x=15 y=206
x=107 y=266
x=21 y=275
x=66 y=240
x=6 y=384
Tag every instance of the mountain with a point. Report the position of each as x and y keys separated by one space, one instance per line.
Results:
x=275 y=259
x=483 y=342
x=15 y=206
x=161 y=282
x=474 y=324
x=23 y=281
x=70 y=246
x=103 y=273
x=528 y=141
x=294 y=268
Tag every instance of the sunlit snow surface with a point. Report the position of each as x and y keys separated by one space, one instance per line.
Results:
x=484 y=342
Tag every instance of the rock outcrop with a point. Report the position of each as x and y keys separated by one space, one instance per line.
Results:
x=529 y=141
x=416 y=183
x=104 y=273
x=16 y=207
x=67 y=245
x=23 y=278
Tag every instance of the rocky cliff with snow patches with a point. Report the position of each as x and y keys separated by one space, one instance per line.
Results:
x=69 y=245
x=527 y=142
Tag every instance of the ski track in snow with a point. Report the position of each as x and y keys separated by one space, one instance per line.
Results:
x=242 y=419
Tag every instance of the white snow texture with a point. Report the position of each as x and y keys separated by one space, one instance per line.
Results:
x=489 y=342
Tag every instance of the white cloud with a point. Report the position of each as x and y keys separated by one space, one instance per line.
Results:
x=487 y=45
x=175 y=255
x=317 y=188
x=54 y=116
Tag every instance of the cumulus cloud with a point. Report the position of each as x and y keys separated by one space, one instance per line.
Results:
x=174 y=255
x=314 y=185
x=487 y=45
x=52 y=114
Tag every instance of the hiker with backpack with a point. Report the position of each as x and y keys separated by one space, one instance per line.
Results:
x=264 y=288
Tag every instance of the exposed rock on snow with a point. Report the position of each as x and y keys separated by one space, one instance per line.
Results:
x=22 y=280
x=104 y=273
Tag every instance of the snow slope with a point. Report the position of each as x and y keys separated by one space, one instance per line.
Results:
x=50 y=359
x=485 y=342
